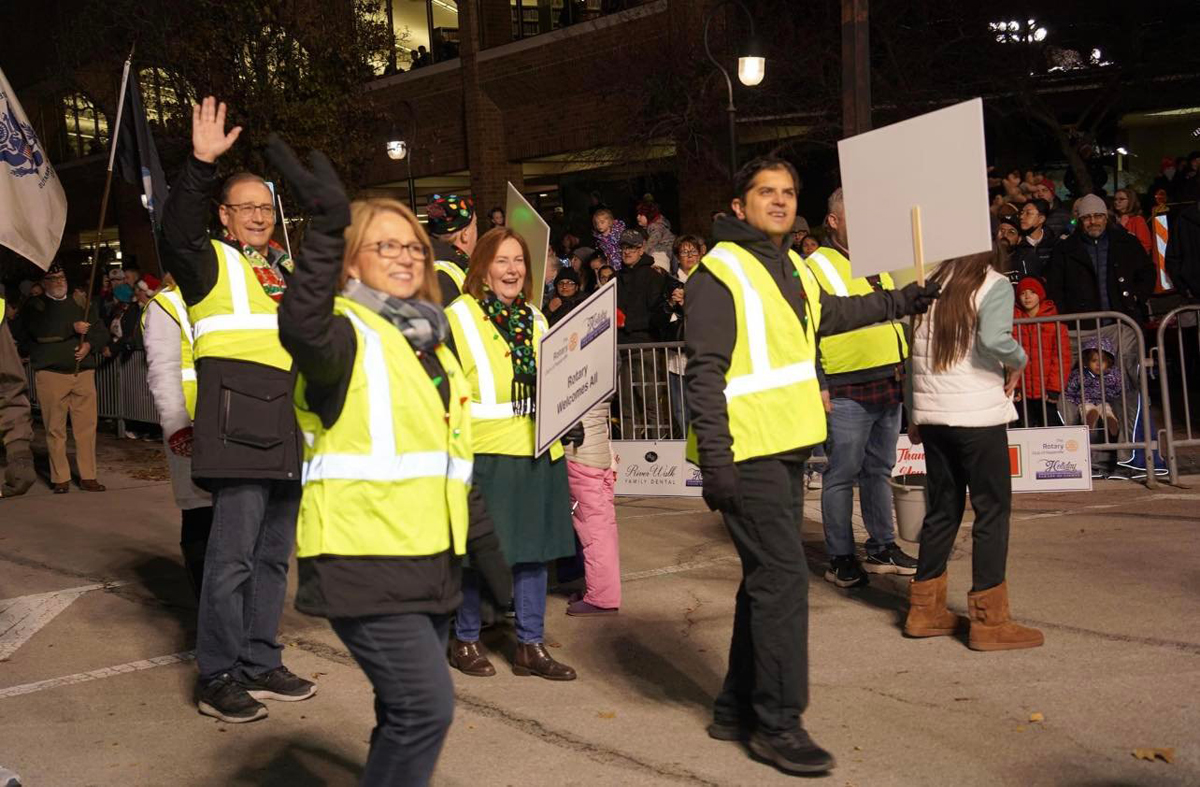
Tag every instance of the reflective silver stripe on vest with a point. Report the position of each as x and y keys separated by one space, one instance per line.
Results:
x=762 y=377
x=188 y=375
x=241 y=319
x=488 y=408
x=831 y=274
x=383 y=463
x=185 y=324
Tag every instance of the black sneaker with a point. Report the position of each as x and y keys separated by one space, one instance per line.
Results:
x=280 y=684
x=791 y=752
x=845 y=572
x=891 y=560
x=225 y=699
x=729 y=730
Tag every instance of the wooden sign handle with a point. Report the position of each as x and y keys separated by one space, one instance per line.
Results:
x=918 y=245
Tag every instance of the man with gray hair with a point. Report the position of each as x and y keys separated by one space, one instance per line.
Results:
x=863 y=390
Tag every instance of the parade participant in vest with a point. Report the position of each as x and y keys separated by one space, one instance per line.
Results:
x=754 y=315
x=16 y=424
x=495 y=330
x=387 y=466
x=63 y=345
x=455 y=229
x=245 y=444
x=863 y=392
x=965 y=366
x=171 y=375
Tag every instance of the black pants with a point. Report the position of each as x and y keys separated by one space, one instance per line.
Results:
x=958 y=458
x=768 y=658
x=404 y=657
x=196 y=525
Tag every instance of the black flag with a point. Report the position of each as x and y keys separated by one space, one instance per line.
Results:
x=137 y=157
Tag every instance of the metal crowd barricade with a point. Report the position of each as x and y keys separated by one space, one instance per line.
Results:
x=122 y=390
x=1134 y=393
x=1184 y=318
x=649 y=402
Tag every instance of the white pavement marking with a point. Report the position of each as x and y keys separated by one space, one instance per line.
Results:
x=96 y=674
x=692 y=566
x=692 y=511
x=24 y=616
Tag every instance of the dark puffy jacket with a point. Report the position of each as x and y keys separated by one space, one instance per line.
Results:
x=1029 y=260
x=1072 y=284
x=639 y=297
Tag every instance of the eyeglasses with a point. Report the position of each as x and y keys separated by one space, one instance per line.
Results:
x=689 y=252
x=249 y=209
x=392 y=250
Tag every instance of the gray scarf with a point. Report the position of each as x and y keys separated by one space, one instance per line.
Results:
x=424 y=324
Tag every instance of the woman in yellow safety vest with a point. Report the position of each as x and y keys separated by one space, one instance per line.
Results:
x=387 y=512
x=495 y=329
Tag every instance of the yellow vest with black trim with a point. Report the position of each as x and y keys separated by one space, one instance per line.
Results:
x=173 y=305
x=771 y=389
x=487 y=364
x=456 y=274
x=865 y=348
x=390 y=477
x=236 y=319
x=1 y=309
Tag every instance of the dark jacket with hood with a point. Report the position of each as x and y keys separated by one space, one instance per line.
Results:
x=1074 y=286
x=1025 y=259
x=712 y=330
x=1183 y=251
x=245 y=426
x=639 y=297
x=324 y=346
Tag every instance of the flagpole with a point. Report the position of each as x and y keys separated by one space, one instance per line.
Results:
x=283 y=224
x=112 y=155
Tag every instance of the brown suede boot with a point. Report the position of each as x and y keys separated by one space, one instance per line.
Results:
x=469 y=659
x=991 y=626
x=927 y=613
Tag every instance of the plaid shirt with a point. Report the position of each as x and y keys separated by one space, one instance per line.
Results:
x=884 y=391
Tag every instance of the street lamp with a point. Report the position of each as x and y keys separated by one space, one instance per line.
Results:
x=399 y=148
x=752 y=67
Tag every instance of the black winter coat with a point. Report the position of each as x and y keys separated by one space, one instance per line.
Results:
x=1028 y=260
x=1071 y=278
x=1183 y=251
x=639 y=297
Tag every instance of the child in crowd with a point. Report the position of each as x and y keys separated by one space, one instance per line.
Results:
x=1048 y=347
x=608 y=236
x=1096 y=390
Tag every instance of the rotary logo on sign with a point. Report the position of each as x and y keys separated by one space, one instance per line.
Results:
x=1072 y=445
x=573 y=342
x=19 y=147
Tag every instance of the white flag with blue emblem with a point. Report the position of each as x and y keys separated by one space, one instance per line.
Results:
x=33 y=207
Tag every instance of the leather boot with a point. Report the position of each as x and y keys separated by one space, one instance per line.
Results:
x=532 y=659
x=469 y=659
x=927 y=613
x=991 y=626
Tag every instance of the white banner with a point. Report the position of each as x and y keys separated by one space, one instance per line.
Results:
x=655 y=468
x=33 y=207
x=910 y=459
x=577 y=365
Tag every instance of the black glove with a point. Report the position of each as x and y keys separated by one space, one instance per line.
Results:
x=721 y=492
x=915 y=299
x=574 y=435
x=318 y=191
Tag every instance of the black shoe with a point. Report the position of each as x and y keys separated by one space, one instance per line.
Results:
x=891 y=560
x=845 y=572
x=225 y=699
x=791 y=752
x=729 y=731
x=280 y=684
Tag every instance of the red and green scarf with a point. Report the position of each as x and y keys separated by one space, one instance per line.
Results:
x=515 y=323
x=272 y=281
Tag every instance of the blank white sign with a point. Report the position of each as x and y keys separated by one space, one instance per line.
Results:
x=935 y=161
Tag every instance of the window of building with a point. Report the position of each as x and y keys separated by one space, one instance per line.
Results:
x=425 y=32
x=85 y=127
x=534 y=17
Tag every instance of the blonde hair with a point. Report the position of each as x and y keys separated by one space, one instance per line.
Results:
x=362 y=213
x=485 y=252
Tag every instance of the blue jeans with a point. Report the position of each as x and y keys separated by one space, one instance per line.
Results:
x=245 y=577
x=404 y=657
x=529 y=602
x=861 y=447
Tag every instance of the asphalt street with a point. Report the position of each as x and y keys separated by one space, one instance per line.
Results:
x=97 y=621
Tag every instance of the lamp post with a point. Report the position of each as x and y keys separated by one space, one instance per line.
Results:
x=751 y=70
x=400 y=148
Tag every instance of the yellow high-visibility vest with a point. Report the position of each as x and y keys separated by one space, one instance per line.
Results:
x=456 y=274
x=236 y=319
x=865 y=348
x=485 y=360
x=774 y=400
x=173 y=305
x=390 y=477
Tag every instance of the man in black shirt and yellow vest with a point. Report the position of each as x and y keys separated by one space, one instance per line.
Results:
x=863 y=390
x=245 y=443
x=754 y=316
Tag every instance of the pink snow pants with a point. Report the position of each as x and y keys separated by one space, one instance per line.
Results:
x=595 y=520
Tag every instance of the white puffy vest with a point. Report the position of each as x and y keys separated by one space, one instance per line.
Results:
x=970 y=393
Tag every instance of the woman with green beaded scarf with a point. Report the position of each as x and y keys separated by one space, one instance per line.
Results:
x=495 y=330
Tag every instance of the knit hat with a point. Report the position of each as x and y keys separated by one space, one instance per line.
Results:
x=1091 y=204
x=1032 y=283
x=567 y=274
x=584 y=253
x=800 y=225
x=648 y=208
x=54 y=270
x=449 y=214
